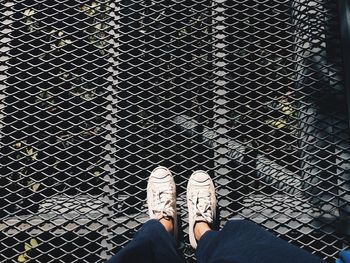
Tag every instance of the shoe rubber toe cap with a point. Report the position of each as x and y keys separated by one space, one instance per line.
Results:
x=200 y=177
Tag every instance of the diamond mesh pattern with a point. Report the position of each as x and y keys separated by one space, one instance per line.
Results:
x=95 y=94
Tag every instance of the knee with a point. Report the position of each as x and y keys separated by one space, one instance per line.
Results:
x=150 y=230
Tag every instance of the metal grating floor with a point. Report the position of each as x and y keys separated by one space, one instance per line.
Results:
x=95 y=94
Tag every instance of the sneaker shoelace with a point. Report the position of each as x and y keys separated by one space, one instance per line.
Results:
x=163 y=199
x=202 y=206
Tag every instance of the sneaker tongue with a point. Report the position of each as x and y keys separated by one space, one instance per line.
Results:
x=204 y=213
x=164 y=204
x=164 y=212
x=204 y=193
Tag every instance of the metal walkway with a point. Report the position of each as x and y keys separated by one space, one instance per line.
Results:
x=95 y=94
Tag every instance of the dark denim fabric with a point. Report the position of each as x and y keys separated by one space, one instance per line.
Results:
x=240 y=241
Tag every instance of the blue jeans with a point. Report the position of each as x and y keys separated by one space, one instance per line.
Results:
x=240 y=241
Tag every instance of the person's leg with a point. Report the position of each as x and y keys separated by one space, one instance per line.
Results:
x=155 y=241
x=152 y=243
x=242 y=241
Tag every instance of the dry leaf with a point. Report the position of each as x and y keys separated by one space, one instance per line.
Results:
x=21 y=258
x=33 y=243
x=29 y=12
x=30 y=151
x=27 y=247
x=35 y=187
x=278 y=124
x=34 y=156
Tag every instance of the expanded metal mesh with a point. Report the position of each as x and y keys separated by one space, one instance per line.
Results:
x=95 y=94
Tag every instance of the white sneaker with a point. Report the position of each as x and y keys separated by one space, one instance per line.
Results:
x=201 y=202
x=161 y=195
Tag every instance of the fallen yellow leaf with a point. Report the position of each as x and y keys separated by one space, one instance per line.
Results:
x=278 y=124
x=30 y=151
x=35 y=187
x=287 y=110
x=27 y=247
x=34 y=243
x=34 y=156
x=21 y=258
x=29 y=12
